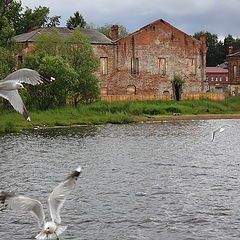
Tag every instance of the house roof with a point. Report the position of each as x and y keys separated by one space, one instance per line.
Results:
x=216 y=70
x=234 y=54
x=223 y=65
x=95 y=37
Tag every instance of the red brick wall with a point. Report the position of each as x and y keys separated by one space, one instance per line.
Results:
x=234 y=61
x=224 y=76
x=156 y=40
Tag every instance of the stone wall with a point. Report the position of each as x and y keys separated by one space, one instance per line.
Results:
x=183 y=54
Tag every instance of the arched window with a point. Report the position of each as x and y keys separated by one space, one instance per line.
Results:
x=104 y=91
x=131 y=90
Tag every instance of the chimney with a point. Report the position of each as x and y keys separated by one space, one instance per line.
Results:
x=230 y=50
x=114 y=32
x=203 y=38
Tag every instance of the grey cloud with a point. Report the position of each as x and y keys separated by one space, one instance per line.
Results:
x=217 y=16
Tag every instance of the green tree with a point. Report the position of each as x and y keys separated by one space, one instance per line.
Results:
x=7 y=62
x=13 y=20
x=7 y=65
x=71 y=61
x=51 y=95
x=9 y=15
x=49 y=44
x=10 y=9
x=36 y=18
x=76 y=21
x=106 y=30
x=80 y=56
x=213 y=56
x=6 y=33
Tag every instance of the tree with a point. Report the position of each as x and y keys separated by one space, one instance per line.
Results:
x=80 y=56
x=71 y=61
x=13 y=20
x=7 y=62
x=106 y=30
x=36 y=18
x=212 y=57
x=76 y=21
x=7 y=65
x=9 y=15
x=49 y=44
x=6 y=33
x=52 y=95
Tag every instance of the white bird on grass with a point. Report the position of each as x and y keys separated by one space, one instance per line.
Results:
x=9 y=87
x=220 y=129
x=50 y=230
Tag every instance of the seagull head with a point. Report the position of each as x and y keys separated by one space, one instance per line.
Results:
x=49 y=232
x=49 y=227
x=19 y=86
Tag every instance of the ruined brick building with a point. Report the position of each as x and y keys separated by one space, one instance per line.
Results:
x=233 y=59
x=144 y=62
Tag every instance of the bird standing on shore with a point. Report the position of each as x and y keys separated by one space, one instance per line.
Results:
x=9 y=87
x=50 y=230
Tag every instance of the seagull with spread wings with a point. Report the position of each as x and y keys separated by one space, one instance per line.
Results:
x=220 y=129
x=52 y=229
x=10 y=85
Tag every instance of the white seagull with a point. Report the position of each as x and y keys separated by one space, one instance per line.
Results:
x=220 y=129
x=9 y=87
x=52 y=229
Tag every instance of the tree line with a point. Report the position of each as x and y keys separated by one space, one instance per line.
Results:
x=217 y=49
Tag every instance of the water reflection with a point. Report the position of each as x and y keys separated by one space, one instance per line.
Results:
x=163 y=180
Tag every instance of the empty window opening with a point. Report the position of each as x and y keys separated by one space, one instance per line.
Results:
x=134 y=66
x=162 y=66
x=104 y=65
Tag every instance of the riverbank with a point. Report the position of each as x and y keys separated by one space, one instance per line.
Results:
x=122 y=112
x=191 y=117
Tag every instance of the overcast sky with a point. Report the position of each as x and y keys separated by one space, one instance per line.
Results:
x=216 y=16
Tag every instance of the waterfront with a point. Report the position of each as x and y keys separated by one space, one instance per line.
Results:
x=156 y=180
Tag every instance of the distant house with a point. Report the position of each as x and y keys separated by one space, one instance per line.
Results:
x=217 y=79
x=144 y=62
x=234 y=70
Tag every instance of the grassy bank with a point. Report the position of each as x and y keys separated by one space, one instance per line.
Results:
x=117 y=112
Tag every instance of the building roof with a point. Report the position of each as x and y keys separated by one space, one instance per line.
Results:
x=216 y=70
x=223 y=65
x=95 y=37
x=234 y=53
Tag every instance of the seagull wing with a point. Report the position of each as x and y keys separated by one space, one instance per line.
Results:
x=16 y=101
x=29 y=76
x=213 y=134
x=21 y=203
x=59 y=195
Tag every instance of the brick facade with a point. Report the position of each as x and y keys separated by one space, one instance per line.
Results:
x=217 y=79
x=233 y=59
x=154 y=45
x=143 y=62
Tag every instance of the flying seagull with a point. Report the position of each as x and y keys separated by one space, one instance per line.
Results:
x=52 y=229
x=220 y=129
x=9 y=87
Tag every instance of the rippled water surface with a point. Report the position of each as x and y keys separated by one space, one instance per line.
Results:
x=154 y=181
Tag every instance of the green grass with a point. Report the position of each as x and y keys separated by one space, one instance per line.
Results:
x=102 y=112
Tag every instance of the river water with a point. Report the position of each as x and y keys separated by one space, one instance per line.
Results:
x=145 y=181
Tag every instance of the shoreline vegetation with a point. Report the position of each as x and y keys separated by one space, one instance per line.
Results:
x=102 y=112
